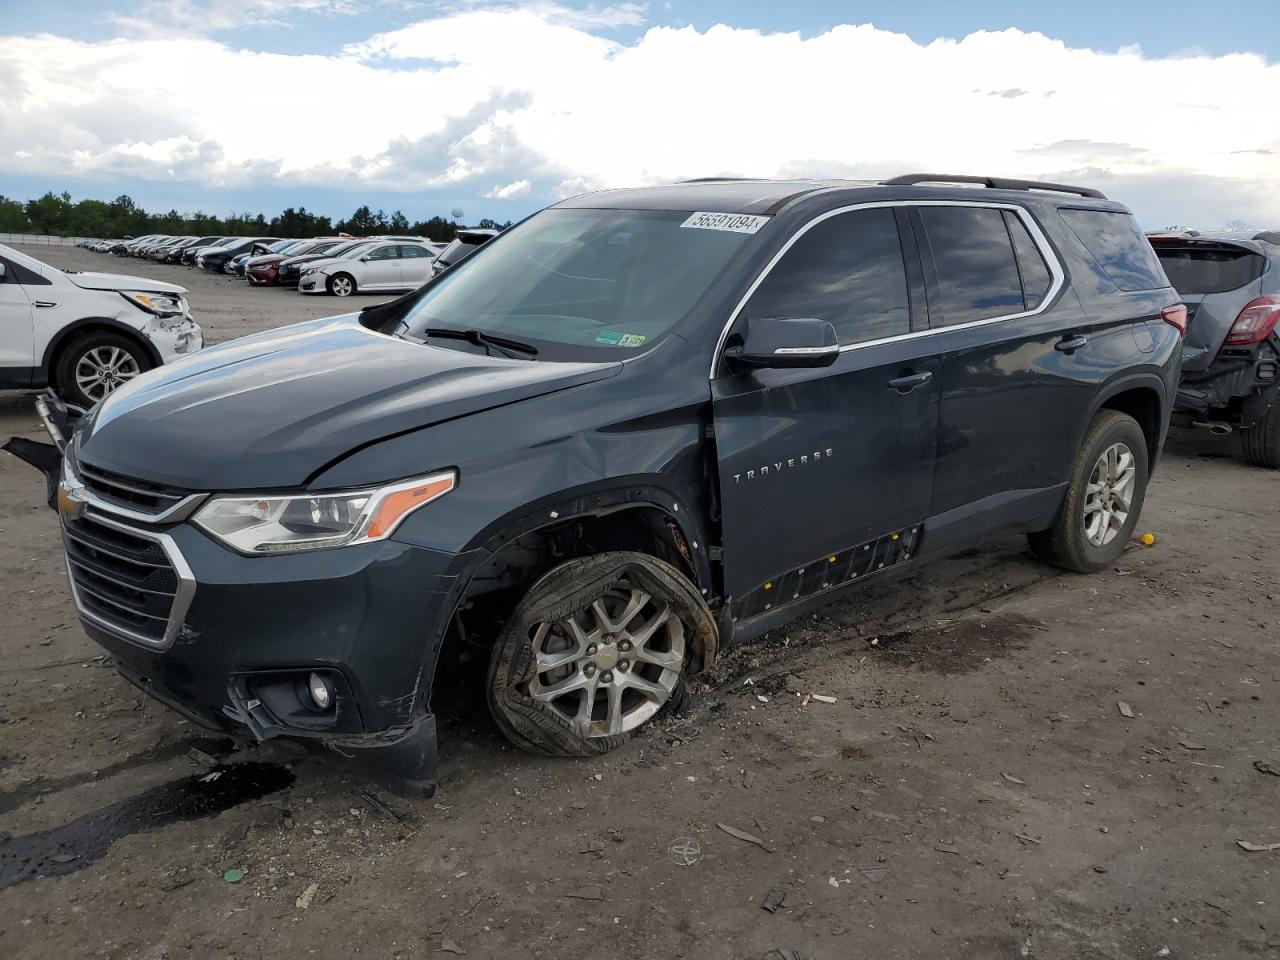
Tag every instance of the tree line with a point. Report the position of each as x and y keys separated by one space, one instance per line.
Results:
x=58 y=215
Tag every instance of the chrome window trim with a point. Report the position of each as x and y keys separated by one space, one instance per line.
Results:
x=182 y=596
x=1056 y=271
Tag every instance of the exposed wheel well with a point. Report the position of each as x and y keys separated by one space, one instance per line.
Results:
x=1143 y=404
x=502 y=580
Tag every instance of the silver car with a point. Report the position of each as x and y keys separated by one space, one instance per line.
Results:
x=1230 y=283
x=381 y=266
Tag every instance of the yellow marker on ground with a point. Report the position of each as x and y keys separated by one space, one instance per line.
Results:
x=1148 y=539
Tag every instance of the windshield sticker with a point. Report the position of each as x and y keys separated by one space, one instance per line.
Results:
x=733 y=222
x=616 y=339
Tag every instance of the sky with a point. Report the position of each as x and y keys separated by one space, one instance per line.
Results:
x=500 y=108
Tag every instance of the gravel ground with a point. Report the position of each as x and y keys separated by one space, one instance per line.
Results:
x=975 y=790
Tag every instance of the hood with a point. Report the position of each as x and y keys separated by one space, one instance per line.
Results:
x=264 y=261
x=120 y=281
x=273 y=409
x=306 y=258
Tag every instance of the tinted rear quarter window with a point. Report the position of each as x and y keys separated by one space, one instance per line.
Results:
x=847 y=270
x=1209 y=268
x=1119 y=247
x=1031 y=266
x=976 y=268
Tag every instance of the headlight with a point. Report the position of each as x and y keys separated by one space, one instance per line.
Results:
x=161 y=304
x=289 y=523
x=310 y=270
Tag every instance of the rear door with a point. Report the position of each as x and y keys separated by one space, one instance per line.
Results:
x=825 y=474
x=1015 y=387
x=415 y=264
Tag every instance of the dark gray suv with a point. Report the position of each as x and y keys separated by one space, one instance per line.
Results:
x=1231 y=355
x=633 y=429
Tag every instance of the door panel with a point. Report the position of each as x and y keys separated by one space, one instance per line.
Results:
x=382 y=270
x=17 y=331
x=815 y=461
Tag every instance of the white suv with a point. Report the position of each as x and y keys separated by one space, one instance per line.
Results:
x=85 y=334
x=400 y=265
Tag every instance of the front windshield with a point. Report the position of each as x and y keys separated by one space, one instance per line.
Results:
x=579 y=284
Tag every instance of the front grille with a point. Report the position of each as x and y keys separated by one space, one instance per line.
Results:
x=136 y=496
x=124 y=580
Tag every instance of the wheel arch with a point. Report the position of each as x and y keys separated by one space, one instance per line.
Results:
x=513 y=553
x=1141 y=396
x=73 y=331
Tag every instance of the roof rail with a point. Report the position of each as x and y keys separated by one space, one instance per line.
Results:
x=995 y=183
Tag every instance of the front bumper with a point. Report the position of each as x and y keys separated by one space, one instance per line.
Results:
x=313 y=283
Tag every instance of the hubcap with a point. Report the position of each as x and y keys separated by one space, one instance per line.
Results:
x=609 y=668
x=1108 y=496
x=102 y=369
x=342 y=286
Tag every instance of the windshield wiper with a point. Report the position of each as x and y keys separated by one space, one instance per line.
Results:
x=482 y=339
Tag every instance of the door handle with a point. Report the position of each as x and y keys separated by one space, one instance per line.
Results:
x=906 y=384
x=1071 y=344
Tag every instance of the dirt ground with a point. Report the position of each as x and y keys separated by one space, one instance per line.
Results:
x=975 y=790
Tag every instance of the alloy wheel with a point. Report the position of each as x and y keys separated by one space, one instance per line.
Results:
x=101 y=370
x=610 y=667
x=340 y=286
x=1109 y=494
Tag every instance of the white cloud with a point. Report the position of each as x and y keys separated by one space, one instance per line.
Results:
x=516 y=188
x=537 y=101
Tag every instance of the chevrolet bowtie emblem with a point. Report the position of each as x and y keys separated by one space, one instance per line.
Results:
x=70 y=507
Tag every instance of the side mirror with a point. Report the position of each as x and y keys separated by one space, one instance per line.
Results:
x=784 y=343
x=3 y=270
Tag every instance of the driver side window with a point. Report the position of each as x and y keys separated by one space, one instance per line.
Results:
x=848 y=270
x=383 y=253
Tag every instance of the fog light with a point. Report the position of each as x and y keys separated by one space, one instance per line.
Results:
x=321 y=691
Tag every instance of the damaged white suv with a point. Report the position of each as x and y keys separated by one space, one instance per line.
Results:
x=85 y=334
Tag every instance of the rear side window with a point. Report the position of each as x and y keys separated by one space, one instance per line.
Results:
x=1031 y=266
x=1119 y=247
x=848 y=270
x=1209 y=268
x=411 y=250
x=976 y=267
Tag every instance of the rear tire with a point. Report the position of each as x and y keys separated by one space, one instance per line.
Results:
x=1261 y=439
x=341 y=285
x=92 y=366
x=1097 y=520
x=596 y=649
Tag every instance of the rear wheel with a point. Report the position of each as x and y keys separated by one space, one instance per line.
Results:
x=95 y=365
x=597 y=648
x=1261 y=439
x=1104 y=500
x=341 y=285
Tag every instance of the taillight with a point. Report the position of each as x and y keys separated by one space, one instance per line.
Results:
x=1176 y=316
x=1255 y=323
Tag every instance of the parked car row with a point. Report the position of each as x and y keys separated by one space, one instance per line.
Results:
x=337 y=266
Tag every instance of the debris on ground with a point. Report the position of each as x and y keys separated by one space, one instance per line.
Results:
x=592 y=891
x=233 y=876
x=774 y=899
x=743 y=835
x=1125 y=709
x=309 y=894
x=449 y=946
x=199 y=756
x=823 y=698
x=1257 y=847
x=1190 y=745
x=1265 y=766
x=1012 y=779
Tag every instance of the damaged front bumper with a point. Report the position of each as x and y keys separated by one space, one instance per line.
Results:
x=231 y=642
